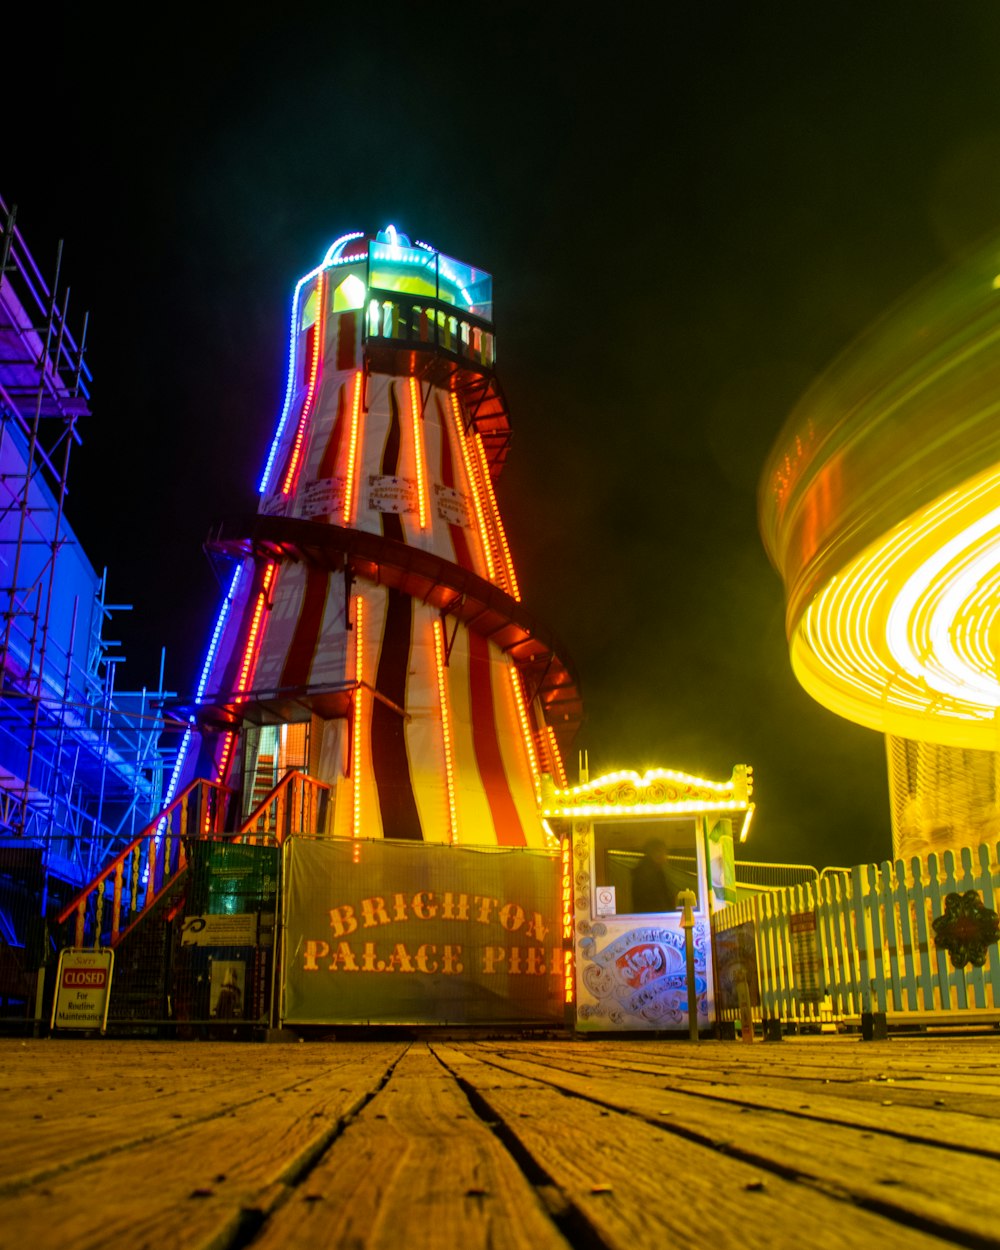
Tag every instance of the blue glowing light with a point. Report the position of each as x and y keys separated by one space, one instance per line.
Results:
x=206 y=669
x=290 y=386
x=335 y=253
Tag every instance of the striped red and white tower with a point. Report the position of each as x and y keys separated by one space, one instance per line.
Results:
x=373 y=633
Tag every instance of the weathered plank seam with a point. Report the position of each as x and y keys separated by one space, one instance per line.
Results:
x=12 y=1188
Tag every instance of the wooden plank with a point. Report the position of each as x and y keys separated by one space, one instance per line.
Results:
x=887 y=1115
x=58 y=1119
x=824 y=1060
x=416 y=1168
x=763 y=1080
x=610 y=1167
x=198 y=1186
x=946 y=1190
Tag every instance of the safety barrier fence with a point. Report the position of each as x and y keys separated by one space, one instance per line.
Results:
x=864 y=942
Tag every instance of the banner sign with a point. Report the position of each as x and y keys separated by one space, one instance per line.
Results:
x=806 y=970
x=417 y=933
x=83 y=989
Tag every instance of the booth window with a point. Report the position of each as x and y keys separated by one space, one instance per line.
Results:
x=648 y=864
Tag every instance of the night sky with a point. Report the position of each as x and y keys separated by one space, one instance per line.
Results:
x=688 y=213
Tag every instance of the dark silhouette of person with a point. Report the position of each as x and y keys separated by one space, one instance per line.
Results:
x=652 y=888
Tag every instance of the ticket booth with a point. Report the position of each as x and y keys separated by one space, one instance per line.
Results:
x=636 y=843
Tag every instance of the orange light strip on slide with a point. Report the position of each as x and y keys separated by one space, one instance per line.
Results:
x=522 y=716
x=560 y=769
x=358 y=735
x=418 y=453
x=352 y=447
x=495 y=512
x=300 y=433
x=470 y=477
x=449 y=760
x=250 y=650
x=567 y=890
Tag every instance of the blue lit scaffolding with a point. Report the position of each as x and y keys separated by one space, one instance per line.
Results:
x=81 y=763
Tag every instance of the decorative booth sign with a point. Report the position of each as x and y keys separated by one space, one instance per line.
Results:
x=638 y=977
x=418 y=933
x=83 y=989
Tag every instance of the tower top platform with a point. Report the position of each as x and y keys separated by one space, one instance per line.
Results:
x=423 y=314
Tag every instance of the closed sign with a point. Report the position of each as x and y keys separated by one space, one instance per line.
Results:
x=83 y=986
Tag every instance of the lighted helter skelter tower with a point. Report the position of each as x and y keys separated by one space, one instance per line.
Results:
x=372 y=635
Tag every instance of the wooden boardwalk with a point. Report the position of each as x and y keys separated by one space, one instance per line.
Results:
x=527 y=1145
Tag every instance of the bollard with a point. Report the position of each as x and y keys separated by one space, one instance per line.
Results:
x=686 y=900
x=746 y=1010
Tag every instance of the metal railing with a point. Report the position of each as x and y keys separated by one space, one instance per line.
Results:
x=297 y=804
x=143 y=871
x=419 y=321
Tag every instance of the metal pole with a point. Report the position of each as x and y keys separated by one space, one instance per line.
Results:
x=686 y=900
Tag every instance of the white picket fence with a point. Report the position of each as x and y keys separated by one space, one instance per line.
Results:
x=875 y=948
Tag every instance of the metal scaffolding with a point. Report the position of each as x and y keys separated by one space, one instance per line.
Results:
x=81 y=763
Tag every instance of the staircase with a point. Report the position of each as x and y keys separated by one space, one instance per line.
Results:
x=151 y=869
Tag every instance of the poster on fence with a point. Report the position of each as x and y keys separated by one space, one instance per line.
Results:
x=807 y=972
x=416 y=933
x=736 y=960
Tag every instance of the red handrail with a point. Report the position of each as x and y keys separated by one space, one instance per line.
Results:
x=298 y=781
x=149 y=834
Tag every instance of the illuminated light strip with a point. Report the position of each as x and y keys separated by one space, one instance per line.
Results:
x=904 y=635
x=418 y=453
x=568 y=982
x=290 y=385
x=495 y=516
x=220 y=622
x=950 y=674
x=567 y=890
x=569 y=987
x=647 y=778
x=206 y=669
x=449 y=759
x=227 y=750
x=470 y=477
x=333 y=258
x=358 y=735
x=642 y=811
x=250 y=651
x=751 y=808
x=319 y=330
x=522 y=716
x=352 y=447
x=554 y=754
x=553 y=838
